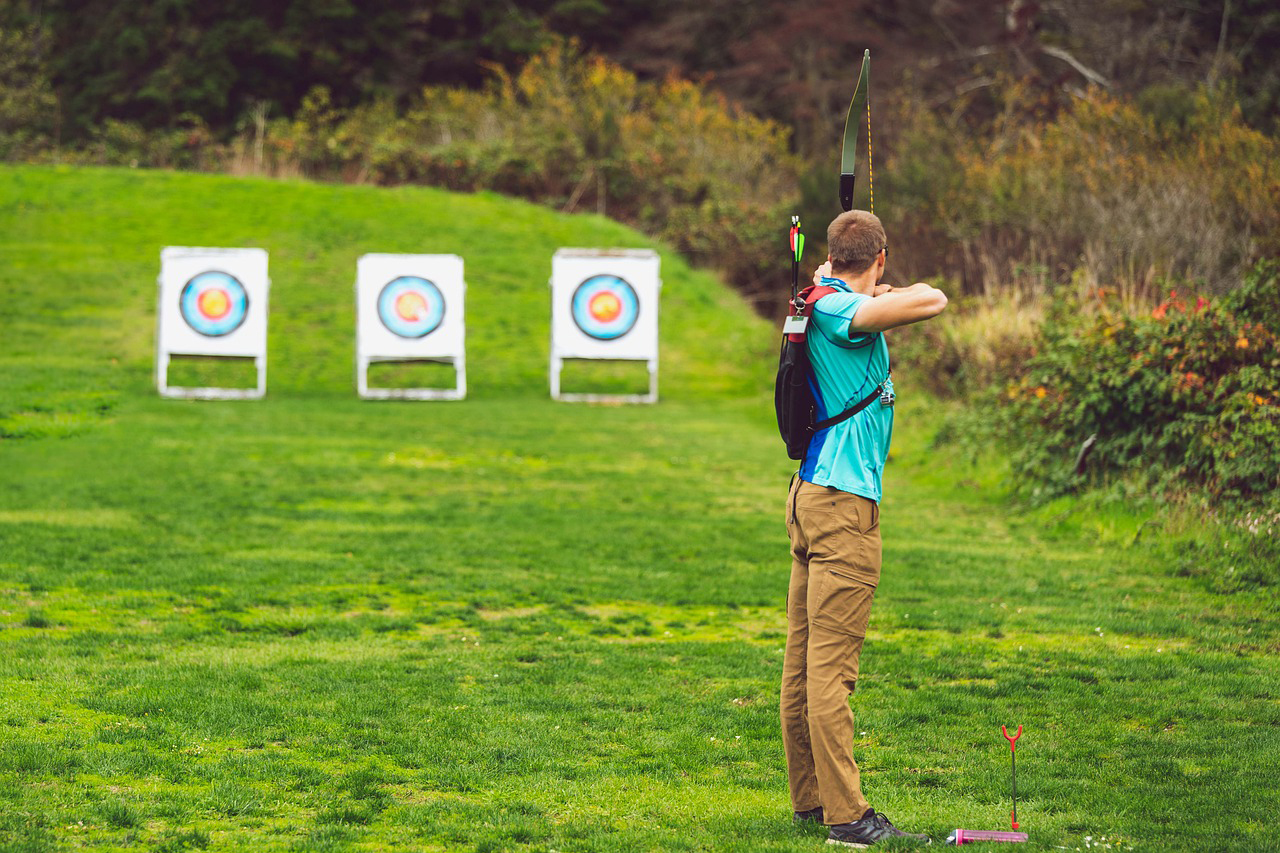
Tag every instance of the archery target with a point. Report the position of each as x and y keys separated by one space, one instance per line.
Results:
x=214 y=303
x=604 y=304
x=411 y=306
x=605 y=307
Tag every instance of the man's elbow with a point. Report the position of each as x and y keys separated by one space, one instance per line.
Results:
x=937 y=302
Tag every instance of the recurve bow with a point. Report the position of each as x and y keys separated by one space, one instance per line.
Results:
x=849 y=155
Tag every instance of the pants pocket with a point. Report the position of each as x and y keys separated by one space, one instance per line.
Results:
x=844 y=602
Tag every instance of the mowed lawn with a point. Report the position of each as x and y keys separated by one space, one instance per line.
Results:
x=316 y=623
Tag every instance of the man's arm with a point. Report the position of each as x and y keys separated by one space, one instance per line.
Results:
x=898 y=306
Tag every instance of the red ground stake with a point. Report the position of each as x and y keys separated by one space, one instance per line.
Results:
x=1013 y=763
x=967 y=836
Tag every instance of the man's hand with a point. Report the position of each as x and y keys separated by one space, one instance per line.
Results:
x=823 y=271
x=880 y=289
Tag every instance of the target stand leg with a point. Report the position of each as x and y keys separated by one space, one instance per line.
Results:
x=557 y=366
x=261 y=364
x=460 y=377
x=458 y=392
x=162 y=373
x=164 y=361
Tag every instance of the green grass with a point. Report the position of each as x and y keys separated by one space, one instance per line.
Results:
x=187 y=371
x=316 y=623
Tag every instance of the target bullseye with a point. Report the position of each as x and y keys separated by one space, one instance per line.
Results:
x=605 y=307
x=411 y=307
x=214 y=303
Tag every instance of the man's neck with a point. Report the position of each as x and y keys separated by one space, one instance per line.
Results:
x=864 y=282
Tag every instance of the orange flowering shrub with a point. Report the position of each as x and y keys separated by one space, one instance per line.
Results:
x=1187 y=398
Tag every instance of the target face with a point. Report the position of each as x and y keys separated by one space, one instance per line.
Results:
x=214 y=303
x=411 y=307
x=605 y=307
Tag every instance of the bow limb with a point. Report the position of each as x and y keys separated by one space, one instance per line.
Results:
x=849 y=153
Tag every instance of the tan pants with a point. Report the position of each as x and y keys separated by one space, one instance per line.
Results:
x=835 y=566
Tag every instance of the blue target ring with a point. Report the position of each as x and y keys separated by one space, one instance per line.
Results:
x=411 y=307
x=214 y=303
x=605 y=307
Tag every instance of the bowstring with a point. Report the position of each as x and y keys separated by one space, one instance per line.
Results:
x=871 y=175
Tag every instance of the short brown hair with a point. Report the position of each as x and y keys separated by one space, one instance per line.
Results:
x=854 y=238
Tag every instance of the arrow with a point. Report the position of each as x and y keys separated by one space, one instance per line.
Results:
x=797 y=246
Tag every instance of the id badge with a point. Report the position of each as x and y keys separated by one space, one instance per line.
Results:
x=795 y=325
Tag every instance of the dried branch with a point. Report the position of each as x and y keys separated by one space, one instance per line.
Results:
x=1085 y=71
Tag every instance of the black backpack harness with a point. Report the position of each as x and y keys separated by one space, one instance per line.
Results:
x=794 y=399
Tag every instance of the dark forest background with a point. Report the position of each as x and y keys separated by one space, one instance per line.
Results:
x=154 y=62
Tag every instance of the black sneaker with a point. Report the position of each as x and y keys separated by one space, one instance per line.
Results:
x=869 y=829
x=811 y=816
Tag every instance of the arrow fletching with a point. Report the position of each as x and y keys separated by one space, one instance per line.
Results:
x=799 y=247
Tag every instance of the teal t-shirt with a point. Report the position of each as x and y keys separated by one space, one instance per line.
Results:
x=849 y=456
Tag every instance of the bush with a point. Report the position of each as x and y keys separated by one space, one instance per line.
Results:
x=569 y=130
x=1185 y=399
x=977 y=343
x=1127 y=191
x=27 y=100
x=578 y=133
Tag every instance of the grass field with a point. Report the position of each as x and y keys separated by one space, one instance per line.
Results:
x=315 y=623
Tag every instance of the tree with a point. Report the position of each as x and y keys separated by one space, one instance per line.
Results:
x=28 y=108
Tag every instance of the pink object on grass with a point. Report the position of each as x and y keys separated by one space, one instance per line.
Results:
x=968 y=836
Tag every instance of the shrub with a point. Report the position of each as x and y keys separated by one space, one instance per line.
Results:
x=977 y=343
x=1127 y=194
x=568 y=130
x=188 y=145
x=27 y=100
x=1185 y=399
x=575 y=132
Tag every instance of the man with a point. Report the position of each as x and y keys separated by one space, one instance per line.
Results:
x=833 y=518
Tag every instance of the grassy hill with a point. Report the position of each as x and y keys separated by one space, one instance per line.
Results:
x=316 y=623
x=81 y=254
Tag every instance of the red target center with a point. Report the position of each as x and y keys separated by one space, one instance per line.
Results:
x=411 y=306
x=214 y=303
x=605 y=307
